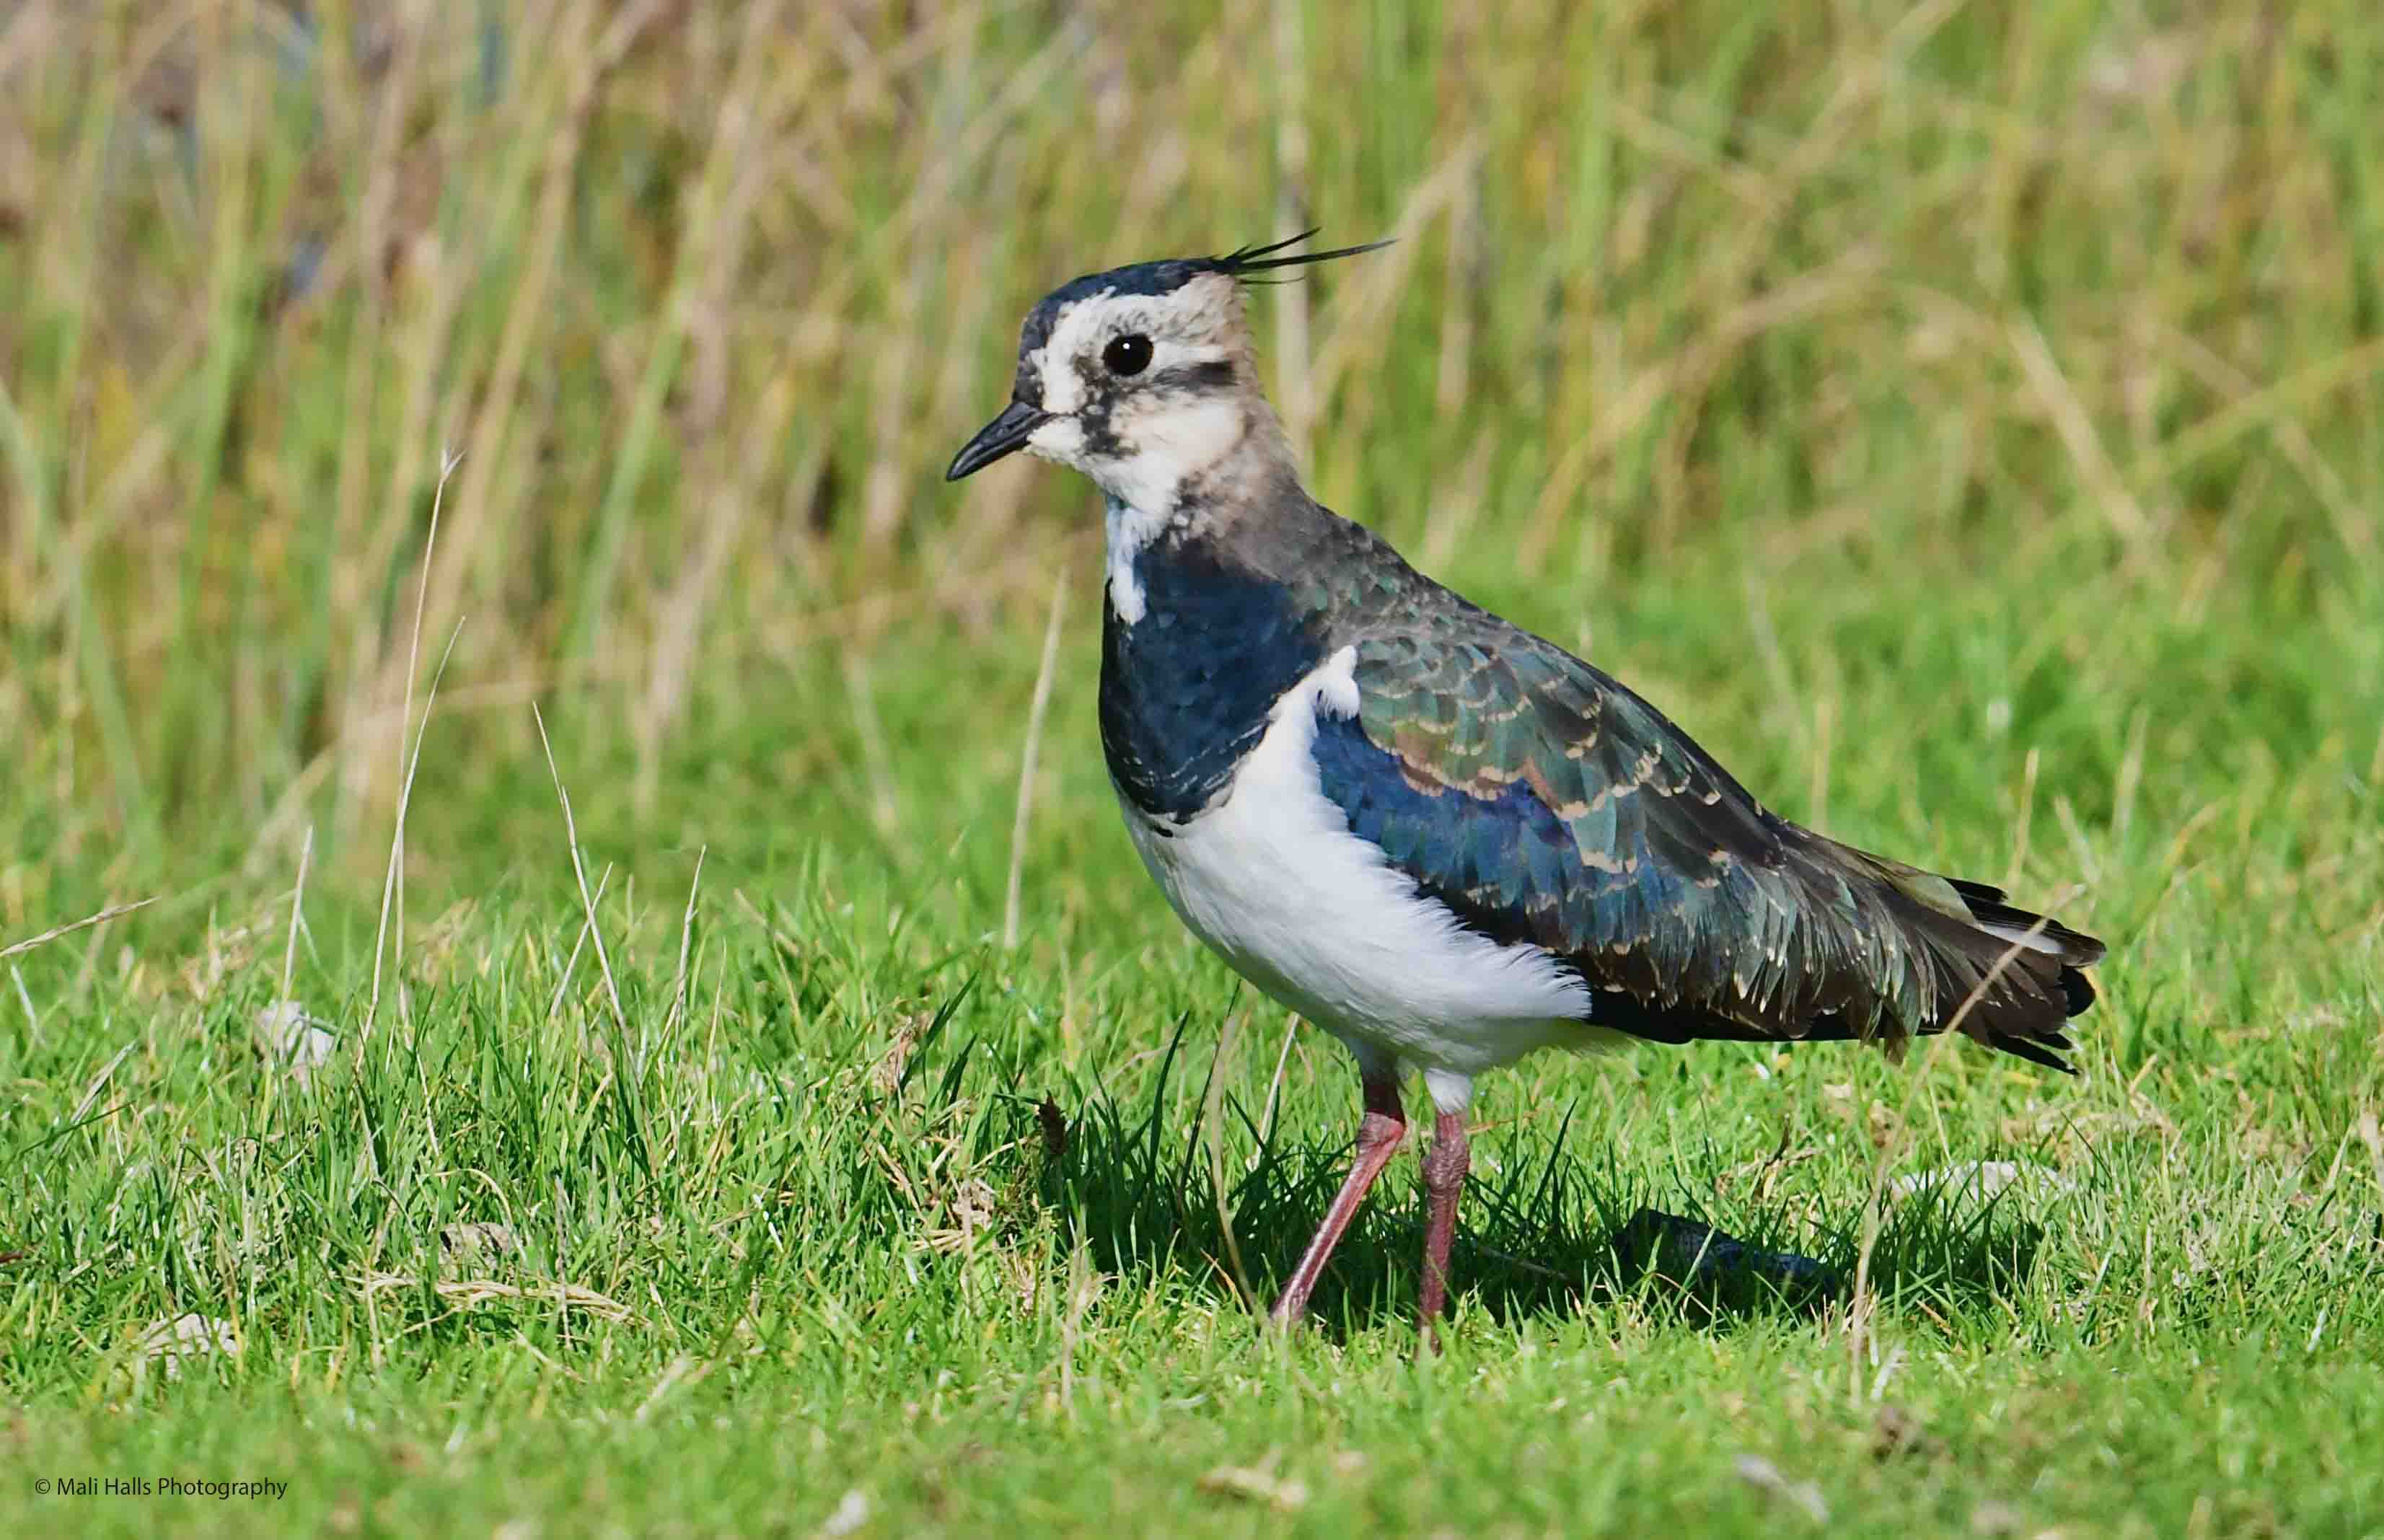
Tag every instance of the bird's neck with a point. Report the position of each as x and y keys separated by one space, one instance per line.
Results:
x=1222 y=596
x=1205 y=470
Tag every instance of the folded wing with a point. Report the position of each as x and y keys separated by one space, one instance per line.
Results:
x=1542 y=802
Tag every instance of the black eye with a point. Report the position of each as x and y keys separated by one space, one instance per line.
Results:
x=1127 y=355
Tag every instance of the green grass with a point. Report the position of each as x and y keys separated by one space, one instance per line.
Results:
x=1968 y=421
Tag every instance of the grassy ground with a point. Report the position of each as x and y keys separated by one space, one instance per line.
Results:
x=1967 y=420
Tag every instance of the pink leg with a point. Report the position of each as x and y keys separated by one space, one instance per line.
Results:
x=1379 y=1135
x=1444 y=1178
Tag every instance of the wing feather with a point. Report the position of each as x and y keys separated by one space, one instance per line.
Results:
x=1545 y=802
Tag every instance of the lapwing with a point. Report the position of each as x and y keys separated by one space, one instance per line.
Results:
x=1444 y=840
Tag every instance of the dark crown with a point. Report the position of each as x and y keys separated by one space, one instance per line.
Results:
x=1243 y=266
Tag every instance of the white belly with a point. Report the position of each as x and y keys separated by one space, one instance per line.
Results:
x=1272 y=880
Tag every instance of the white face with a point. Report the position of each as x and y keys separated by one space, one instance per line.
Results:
x=1143 y=390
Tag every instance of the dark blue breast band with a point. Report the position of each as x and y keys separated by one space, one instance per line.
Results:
x=1185 y=690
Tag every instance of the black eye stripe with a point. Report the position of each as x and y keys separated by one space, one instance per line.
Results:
x=1207 y=374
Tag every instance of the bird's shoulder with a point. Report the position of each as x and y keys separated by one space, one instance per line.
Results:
x=1473 y=705
x=1455 y=698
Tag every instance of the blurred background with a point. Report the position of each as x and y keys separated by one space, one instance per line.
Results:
x=1950 y=412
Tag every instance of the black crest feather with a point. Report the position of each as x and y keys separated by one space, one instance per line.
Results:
x=1241 y=264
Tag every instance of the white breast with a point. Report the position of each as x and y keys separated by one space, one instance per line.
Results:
x=1272 y=880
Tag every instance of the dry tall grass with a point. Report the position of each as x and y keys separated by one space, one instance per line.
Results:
x=705 y=294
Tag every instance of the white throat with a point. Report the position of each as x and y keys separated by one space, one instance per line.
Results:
x=1129 y=528
x=1165 y=443
x=1145 y=487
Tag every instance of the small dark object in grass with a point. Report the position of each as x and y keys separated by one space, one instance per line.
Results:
x=1055 y=1128
x=1714 y=1268
x=1895 y=1433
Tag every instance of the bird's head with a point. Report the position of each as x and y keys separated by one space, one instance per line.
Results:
x=1142 y=377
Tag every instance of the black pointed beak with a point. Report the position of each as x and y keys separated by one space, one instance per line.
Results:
x=1004 y=435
